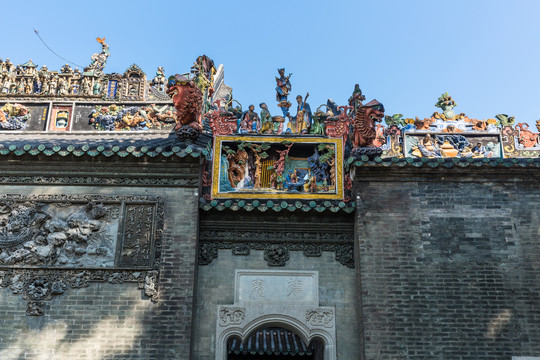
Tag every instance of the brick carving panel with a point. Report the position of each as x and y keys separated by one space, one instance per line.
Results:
x=49 y=243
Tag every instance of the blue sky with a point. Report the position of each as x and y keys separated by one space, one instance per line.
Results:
x=403 y=53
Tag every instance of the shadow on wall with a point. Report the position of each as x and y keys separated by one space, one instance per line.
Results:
x=497 y=323
x=110 y=336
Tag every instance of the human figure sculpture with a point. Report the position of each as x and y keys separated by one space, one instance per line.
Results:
x=37 y=85
x=96 y=89
x=86 y=86
x=159 y=80
x=249 y=121
x=301 y=123
x=267 y=124
x=282 y=91
x=52 y=86
x=62 y=87
x=428 y=147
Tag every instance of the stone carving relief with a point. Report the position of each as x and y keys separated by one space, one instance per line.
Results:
x=150 y=285
x=320 y=317
x=276 y=255
x=285 y=298
x=276 y=245
x=231 y=315
x=35 y=308
x=50 y=243
x=61 y=234
x=207 y=253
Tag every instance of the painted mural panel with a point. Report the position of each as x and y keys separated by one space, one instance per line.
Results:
x=277 y=167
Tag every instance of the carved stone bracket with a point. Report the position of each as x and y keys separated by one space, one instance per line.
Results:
x=207 y=253
x=231 y=315
x=276 y=255
x=320 y=317
x=50 y=243
x=35 y=308
x=277 y=245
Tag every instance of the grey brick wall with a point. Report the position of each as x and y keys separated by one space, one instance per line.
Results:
x=114 y=321
x=448 y=263
x=215 y=286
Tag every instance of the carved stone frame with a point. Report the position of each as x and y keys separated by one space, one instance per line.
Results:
x=305 y=319
x=39 y=283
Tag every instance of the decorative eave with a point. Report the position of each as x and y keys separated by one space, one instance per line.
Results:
x=92 y=145
x=446 y=162
x=276 y=205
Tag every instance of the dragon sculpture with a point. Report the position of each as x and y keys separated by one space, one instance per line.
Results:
x=187 y=99
x=527 y=138
x=364 y=132
x=338 y=126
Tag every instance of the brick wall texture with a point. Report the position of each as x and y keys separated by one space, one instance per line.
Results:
x=113 y=321
x=448 y=263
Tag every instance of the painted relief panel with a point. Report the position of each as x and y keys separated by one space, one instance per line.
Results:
x=60 y=118
x=22 y=116
x=114 y=117
x=453 y=144
x=272 y=167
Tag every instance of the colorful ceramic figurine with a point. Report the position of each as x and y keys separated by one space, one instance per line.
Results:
x=250 y=122
x=98 y=60
x=282 y=91
x=268 y=126
x=159 y=80
x=273 y=180
x=355 y=101
x=300 y=123
x=280 y=181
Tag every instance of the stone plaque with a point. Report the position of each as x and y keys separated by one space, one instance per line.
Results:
x=284 y=287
